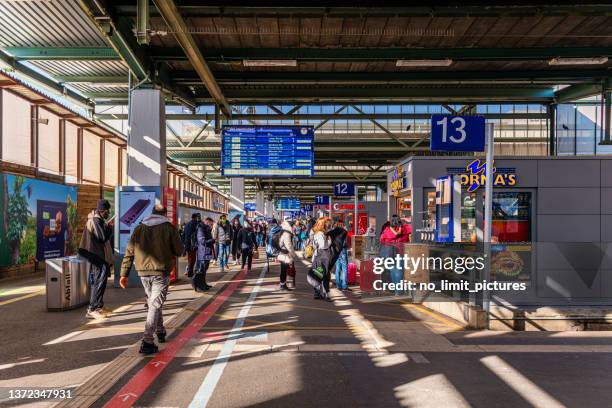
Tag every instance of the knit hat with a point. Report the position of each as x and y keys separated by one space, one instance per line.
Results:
x=103 y=205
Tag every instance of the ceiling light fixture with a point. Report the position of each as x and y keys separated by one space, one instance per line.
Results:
x=578 y=61
x=269 y=63
x=423 y=62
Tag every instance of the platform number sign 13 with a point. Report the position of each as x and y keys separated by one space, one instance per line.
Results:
x=344 y=189
x=457 y=133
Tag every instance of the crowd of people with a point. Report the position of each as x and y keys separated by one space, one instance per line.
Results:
x=155 y=243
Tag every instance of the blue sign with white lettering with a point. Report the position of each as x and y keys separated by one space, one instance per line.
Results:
x=321 y=200
x=457 y=133
x=250 y=206
x=288 y=204
x=267 y=151
x=307 y=207
x=344 y=189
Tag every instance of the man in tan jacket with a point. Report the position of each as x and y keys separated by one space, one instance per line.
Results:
x=152 y=249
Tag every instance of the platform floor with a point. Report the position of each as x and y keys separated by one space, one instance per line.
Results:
x=249 y=344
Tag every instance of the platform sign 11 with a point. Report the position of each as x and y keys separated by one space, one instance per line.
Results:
x=344 y=189
x=457 y=133
x=321 y=200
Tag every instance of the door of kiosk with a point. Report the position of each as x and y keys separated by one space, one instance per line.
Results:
x=448 y=209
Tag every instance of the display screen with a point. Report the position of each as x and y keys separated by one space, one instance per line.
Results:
x=270 y=151
x=511 y=217
x=288 y=204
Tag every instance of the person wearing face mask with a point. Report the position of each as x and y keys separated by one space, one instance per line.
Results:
x=96 y=248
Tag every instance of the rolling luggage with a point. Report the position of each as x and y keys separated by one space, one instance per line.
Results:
x=351 y=278
x=367 y=276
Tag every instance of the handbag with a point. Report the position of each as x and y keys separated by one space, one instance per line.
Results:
x=309 y=251
x=255 y=254
x=291 y=270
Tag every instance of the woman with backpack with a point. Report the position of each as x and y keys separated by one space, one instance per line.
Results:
x=247 y=242
x=319 y=274
x=281 y=246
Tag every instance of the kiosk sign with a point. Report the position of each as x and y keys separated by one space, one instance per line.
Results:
x=457 y=133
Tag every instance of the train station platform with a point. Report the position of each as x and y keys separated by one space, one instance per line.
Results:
x=245 y=343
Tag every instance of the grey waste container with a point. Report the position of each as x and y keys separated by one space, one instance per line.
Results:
x=67 y=283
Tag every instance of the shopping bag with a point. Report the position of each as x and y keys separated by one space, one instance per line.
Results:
x=291 y=270
x=309 y=251
x=255 y=254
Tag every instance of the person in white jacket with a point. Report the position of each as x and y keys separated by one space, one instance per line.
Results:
x=321 y=242
x=287 y=253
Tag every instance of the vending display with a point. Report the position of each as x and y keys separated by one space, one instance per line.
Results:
x=511 y=217
x=448 y=209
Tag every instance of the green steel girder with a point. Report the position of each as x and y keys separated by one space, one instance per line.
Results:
x=37 y=77
x=579 y=91
x=384 y=54
x=62 y=53
x=553 y=76
x=201 y=8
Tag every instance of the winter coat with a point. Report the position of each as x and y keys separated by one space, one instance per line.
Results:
x=246 y=240
x=152 y=247
x=223 y=233
x=287 y=254
x=205 y=243
x=391 y=236
x=235 y=231
x=190 y=228
x=96 y=242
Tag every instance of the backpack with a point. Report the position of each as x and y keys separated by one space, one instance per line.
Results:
x=193 y=237
x=273 y=246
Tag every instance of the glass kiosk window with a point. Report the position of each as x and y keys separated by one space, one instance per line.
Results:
x=404 y=208
x=511 y=217
x=468 y=217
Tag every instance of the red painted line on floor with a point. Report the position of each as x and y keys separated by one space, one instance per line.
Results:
x=141 y=381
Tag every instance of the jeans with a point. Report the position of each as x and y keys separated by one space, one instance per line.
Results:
x=283 y=273
x=342 y=270
x=156 y=289
x=224 y=250
x=260 y=239
x=98 y=276
x=247 y=256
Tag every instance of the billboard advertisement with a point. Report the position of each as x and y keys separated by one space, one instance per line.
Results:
x=133 y=207
x=38 y=220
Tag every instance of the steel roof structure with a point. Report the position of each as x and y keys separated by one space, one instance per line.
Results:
x=235 y=54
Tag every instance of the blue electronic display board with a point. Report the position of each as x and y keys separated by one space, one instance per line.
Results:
x=288 y=204
x=267 y=151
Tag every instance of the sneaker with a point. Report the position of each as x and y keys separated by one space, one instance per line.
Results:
x=148 y=348
x=161 y=337
x=285 y=287
x=318 y=296
x=96 y=314
x=348 y=289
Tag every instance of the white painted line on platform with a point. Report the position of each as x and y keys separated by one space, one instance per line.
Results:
x=205 y=392
x=522 y=385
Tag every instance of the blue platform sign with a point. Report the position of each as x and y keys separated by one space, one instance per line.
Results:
x=307 y=207
x=250 y=206
x=288 y=204
x=344 y=189
x=457 y=133
x=321 y=200
x=267 y=151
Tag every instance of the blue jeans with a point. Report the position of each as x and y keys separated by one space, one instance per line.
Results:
x=342 y=270
x=224 y=250
x=260 y=239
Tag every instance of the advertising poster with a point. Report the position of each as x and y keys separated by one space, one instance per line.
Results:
x=171 y=204
x=20 y=218
x=50 y=229
x=133 y=207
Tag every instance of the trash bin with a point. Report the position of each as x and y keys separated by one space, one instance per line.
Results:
x=67 y=283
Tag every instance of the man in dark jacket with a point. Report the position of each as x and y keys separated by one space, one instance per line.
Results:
x=223 y=237
x=247 y=242
x=205 y=254
x=152 y=249
x=190 y=241
x=96 y=247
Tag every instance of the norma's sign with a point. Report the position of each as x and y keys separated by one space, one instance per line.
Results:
x=473 y=175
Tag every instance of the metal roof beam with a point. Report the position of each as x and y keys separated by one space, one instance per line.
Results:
x=115 y=79
x=62 y=53
x=173 y=18
x=579 y=91
x=384 y=54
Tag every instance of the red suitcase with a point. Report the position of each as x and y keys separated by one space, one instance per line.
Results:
x=366 y=276
x=352 y=274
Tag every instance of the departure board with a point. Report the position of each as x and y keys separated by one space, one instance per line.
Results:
x=267 y=151
x=287 y=204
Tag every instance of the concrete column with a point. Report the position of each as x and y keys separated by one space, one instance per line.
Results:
x=146 y=161
x=259 y=202
x=236 y=195
x=268 y=208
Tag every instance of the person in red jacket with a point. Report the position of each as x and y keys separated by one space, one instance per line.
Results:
x=391 y=239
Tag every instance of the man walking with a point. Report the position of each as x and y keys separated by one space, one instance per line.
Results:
x=223 y=237
x=190 y=241
x=96 y=247
x=151 y=249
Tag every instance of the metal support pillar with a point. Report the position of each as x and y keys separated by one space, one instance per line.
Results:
x=552 y=129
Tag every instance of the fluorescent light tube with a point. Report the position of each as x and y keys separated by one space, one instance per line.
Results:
x=578 y=61
x=423 y=62
x=269 y=63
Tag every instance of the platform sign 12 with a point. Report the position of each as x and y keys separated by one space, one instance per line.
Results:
x=457 y=133
x=344 y=189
